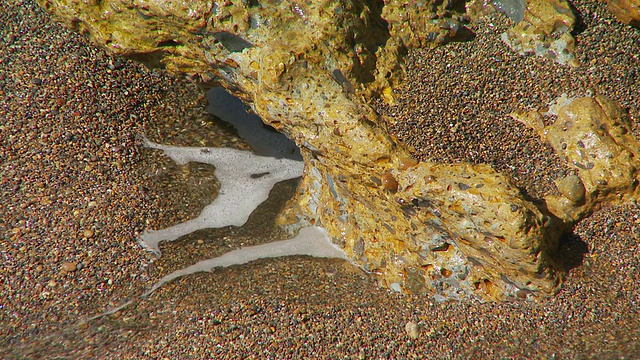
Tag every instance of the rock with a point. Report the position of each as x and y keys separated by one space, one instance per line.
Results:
x=593 y=135
x=495 y=229
x=452 y=230
x=88 y=233
x=68 y=267
x=513 y=9
x=545 y=31
x=627 y=11
x=426 y=23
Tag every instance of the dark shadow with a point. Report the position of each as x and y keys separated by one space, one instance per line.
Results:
x=456 y=6
x=570 y=253
x=579 y=26
x=463 y=35
x=263 y=139
x=377 y=36
x=569 y=250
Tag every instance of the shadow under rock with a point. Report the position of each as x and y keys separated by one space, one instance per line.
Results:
x=571 y=252
x=571 y=249
x=464 y=35
x=579 y=26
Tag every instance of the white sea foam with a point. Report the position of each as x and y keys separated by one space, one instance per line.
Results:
x=311 y=241
x=246 y=177
x=245 y=182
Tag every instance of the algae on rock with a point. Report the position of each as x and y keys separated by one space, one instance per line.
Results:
x=309 y=69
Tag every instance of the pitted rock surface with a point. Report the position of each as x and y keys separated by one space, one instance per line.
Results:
x=627 y=11
x=544 y=31
x=593 y=135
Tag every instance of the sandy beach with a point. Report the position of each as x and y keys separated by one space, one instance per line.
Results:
x=77 y=187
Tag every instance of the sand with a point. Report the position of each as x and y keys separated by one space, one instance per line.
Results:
x=77 y=187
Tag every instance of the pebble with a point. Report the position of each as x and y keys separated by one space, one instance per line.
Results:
x=572 y=188
x=68 y=267
x=412 y=329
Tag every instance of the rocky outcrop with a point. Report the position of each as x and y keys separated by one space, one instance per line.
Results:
x=593 y=136
x=543 y=28
x=308 y=69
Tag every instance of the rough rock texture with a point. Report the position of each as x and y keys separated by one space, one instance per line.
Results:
x=545 y=31
x=593 y=135
x=426 y=23
x=308 y=69
x=627 y=11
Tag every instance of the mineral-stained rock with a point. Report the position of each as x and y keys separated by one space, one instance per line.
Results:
x=514 y=9
x=544 y=31
x=627 y=11
x=572 y=188
x=425 y=23
x=593 y=135
x=308 y=69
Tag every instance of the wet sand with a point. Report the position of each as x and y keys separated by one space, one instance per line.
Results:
x=77 y=188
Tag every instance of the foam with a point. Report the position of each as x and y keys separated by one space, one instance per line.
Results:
x=246 y=180
x=310 y=241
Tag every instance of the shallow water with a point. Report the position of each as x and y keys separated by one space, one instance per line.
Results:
x=247 y=190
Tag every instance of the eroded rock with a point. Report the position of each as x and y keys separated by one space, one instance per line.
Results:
x=572 y=188
x=309 y=69
x=593 y=135
x=544 y=31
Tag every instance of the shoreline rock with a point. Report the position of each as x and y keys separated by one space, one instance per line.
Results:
x=310 y=71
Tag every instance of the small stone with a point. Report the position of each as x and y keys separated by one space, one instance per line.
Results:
x=395 y=287
x=412 y=329
x=36 y=81
x=407 y=162
x=88 y=233
x=68 y=267
x=572 y=188
x=389 y=182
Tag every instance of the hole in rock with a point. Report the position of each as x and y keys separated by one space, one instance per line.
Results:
x=168 y=43
x=232 y=42
x=263 y=139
